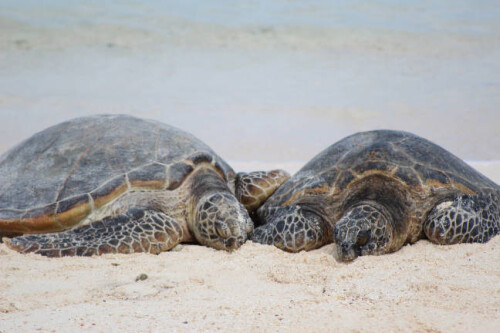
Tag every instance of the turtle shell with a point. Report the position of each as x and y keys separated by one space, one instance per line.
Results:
x=407 y=159
x=58 y=176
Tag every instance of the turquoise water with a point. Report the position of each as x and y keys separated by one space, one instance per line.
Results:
x=258 y=80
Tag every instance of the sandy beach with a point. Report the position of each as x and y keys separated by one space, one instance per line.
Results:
x=267 y=84
x=422 y=288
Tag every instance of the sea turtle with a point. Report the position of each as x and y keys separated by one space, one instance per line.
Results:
x=119 y=184
x=372 y=192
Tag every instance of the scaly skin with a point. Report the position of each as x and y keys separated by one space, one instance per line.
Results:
x=293 y=229
x=467 y=219
x=377 y=191
x=253 y=188
x=212 y=215
x=368 y=229
x=135 y=231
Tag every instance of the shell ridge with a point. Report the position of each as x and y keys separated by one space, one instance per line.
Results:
x=157 y=143
x=344 y=155
x=111 y=158
x=75 y=166
x=398 y=149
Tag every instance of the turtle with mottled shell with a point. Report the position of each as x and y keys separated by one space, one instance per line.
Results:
x=119 y=184
x=373 y=192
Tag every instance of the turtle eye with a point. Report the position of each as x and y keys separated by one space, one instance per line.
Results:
x=362 y=237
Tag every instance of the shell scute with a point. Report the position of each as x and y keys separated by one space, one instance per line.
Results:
x=200 y=157
x=330 y=176
x=462 y=183
x=426 y=153
x=11 y=214
x=72 y=203
x=344 y=179
x=373 y=166
x=72 y=210
x=38 y=219
x=432 y=176
x=407 y=175
x=381 y=152
x=46 y=210
x=153 y=176
x=109 y=190
x=177 y=173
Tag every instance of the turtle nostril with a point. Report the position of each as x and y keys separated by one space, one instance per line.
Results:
x=362 y=237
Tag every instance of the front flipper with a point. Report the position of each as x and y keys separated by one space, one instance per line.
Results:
x=365 y=229
x=467 y=219
x=253 y=188
x=293 y=229
x=135 y=231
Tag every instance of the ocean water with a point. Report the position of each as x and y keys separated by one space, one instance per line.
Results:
x=271 y=81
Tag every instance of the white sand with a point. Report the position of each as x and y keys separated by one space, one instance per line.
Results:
x=423 y=287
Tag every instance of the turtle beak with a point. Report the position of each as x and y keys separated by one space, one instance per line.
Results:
x=348 y=248
x=347 y=252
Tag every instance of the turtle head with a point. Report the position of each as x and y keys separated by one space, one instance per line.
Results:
x=365 y=229
x=221 y=222
x=253 y=188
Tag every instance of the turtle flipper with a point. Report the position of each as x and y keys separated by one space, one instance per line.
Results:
x=293 y=229
x=253 y=188
x=466 y=219
x=136 y=230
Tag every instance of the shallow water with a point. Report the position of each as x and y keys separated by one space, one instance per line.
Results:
x=272 y=81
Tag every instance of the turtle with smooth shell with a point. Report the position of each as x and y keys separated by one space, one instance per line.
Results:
x=373 y=192
x=119 y=184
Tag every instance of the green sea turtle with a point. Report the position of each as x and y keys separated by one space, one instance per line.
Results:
x=373 y=192
x=119 y=184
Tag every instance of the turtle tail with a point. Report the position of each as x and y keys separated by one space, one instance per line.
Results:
x=135 y=231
